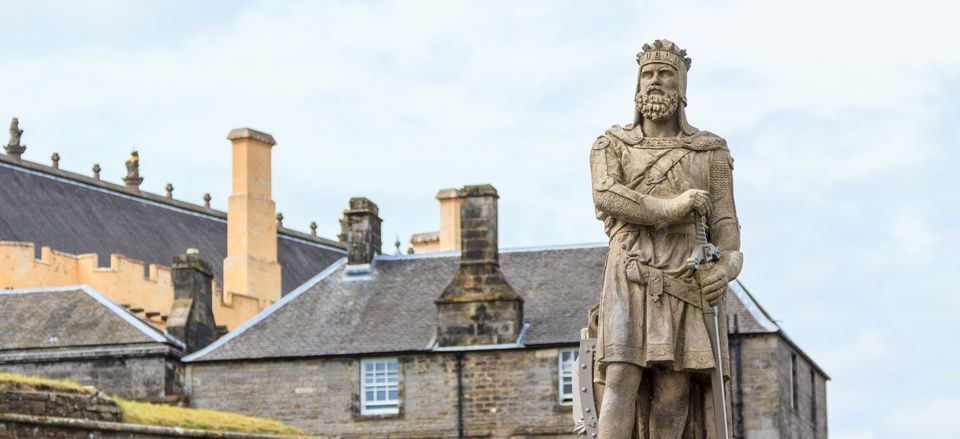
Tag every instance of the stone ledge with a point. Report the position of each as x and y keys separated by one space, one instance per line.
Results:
x=53 y=423
x=249 y=133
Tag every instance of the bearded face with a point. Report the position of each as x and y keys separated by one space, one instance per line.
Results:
x=658 y=96
x=657 y=107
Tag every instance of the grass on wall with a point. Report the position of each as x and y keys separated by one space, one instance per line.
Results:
x=11 y=382
x=134 y=412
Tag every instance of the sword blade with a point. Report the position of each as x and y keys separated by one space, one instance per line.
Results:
x=710 y=317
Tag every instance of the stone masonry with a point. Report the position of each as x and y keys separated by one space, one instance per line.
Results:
x=148 y=377
x=506 y=394
x=66 y=405
x=769 y=411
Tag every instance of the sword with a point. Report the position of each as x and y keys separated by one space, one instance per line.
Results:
x=705 y=254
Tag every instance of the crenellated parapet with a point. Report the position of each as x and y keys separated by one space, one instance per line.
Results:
x=145 y=289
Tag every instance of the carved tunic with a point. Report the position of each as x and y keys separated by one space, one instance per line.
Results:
x=641 y=323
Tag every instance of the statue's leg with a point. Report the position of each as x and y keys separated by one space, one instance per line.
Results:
x=671 y=402
x=619 y=401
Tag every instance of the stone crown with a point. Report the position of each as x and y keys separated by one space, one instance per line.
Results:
x=664 y=51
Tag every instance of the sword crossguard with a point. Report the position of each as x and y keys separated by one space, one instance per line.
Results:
x=704 y=252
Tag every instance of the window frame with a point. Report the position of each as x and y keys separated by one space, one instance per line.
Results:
x=375 y=386
x=794 y=383
x=574 y=355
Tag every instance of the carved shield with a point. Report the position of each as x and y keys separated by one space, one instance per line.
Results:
x=584 y=403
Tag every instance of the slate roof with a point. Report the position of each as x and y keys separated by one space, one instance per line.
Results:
x=751 y=318
x=69 y=317
x=77 y=214
x=392 y=309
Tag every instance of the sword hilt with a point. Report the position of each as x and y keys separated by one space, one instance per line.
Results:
x=704 y=252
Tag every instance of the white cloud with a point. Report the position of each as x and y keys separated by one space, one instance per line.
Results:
x=841 y=181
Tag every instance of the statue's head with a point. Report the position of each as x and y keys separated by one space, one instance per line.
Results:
x=662 y=84
x=134 y=157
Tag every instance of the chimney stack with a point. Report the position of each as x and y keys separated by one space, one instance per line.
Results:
x=191 y=318
x=251 y=267
x=360 y=230
x=449 y=219
x=478 y=306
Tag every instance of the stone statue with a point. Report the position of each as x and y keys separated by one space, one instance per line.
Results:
x=133 y=178
x=14 y=147
x=653 y=181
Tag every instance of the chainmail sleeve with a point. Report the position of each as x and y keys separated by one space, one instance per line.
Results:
x=724 y=228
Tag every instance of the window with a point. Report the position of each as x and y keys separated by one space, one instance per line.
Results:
x=813 y=399
x=568 y=358
x=793 y=381
x=379 y=387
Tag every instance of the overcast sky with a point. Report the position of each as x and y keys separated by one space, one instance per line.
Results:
x=843 y=118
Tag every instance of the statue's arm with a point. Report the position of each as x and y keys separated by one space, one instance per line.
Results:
x=613 y=198
x=722 y=221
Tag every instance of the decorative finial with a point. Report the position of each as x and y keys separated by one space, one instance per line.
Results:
x=96 y=171
x=313 y=228
x=397 y=243
x=55 y=158
x=169 y=189
x=206 y=200
x=279 y=219
x=14 y=148
x=133 y=178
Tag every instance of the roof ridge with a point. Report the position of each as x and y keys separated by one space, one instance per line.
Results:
x=456 y=253
x=144 y=196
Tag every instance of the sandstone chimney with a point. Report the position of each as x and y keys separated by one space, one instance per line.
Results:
x=251 y=267
x=449 y=219
x=478 y=306
x=360 y=230
x=191 y=318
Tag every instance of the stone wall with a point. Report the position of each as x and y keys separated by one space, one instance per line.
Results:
x=151 y=378
x=17 y=426
x=68 y=405
x=796 y=420
x=768 y=407
x=507 y=393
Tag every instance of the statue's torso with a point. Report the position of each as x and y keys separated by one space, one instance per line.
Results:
x=663 y=168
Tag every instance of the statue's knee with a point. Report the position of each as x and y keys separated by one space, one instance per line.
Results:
x=622 y=376
x=672 y=386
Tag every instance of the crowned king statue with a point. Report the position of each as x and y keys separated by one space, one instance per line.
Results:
x=664 y=192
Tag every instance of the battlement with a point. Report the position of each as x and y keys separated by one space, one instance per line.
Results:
x=147 y=290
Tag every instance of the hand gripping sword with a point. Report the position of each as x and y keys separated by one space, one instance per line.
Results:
x=704 y=255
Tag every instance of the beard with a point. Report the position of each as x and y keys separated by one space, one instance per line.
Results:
x=657 y=108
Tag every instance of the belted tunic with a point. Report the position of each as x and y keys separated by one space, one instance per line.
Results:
x=650 y=306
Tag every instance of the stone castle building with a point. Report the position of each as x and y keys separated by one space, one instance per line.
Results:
x=460 y=339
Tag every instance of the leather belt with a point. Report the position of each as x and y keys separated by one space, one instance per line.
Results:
x=657 y=283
